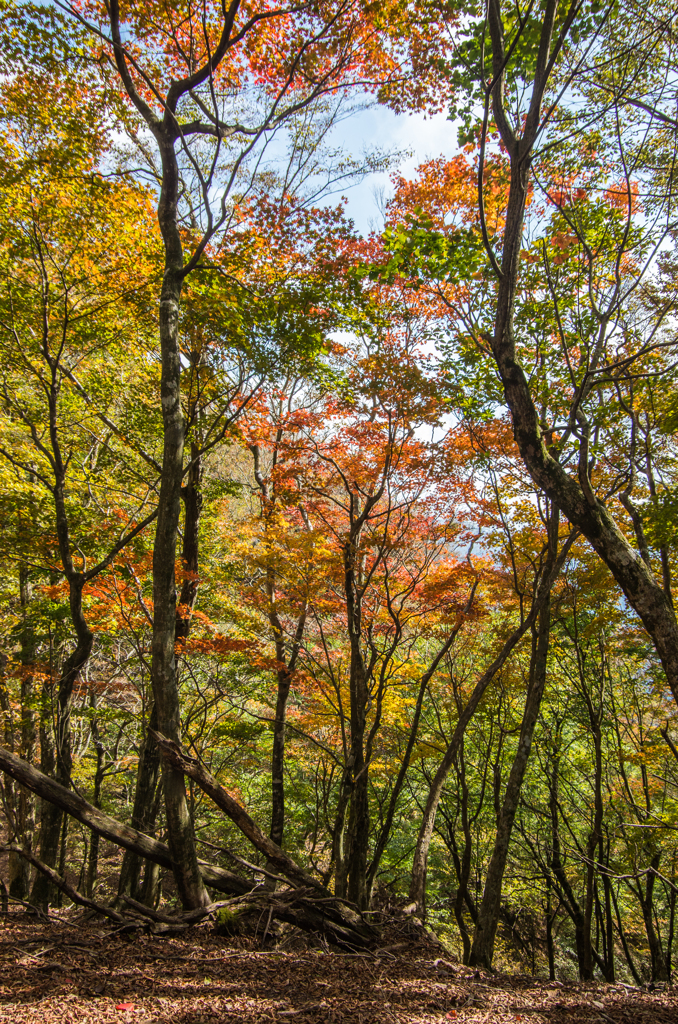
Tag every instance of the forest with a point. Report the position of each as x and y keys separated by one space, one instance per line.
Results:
x=336 y=564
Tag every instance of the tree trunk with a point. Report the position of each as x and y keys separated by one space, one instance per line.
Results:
x=462 y=863
x=190 y=548
x=163 y=668
x=574 y=497
x=41 y=891
x=610 y=973
x=359 y=810
x=99 y=773
x=420 y=860
x=286 y=660
x=51 y=818
x=586 y=953
x=357 y=768
x=550 y=948
x=339 y=834
x=657 y=958
x=622 y=937
x=482 y=951
x=592 y=847
x=385 y=831
x=145 y=806
x=19 y=867
x=278 y=758
x=143 y=811
x=669 y=940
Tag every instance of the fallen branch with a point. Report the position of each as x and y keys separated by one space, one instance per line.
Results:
x=63 y=884
x=104 y=825
x=299 y=907
x=308 y=906
x=238 y=815
x=345 y=923
x=186 y=917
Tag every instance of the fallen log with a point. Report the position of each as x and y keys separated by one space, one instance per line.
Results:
x=109 y=828
x=306 y=910
x=308 y=906
x=342 y=915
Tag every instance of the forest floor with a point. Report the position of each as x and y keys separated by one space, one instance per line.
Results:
x=72 y=972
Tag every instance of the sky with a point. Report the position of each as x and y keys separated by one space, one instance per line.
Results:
x=421 y=137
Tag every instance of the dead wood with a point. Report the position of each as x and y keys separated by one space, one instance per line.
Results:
x=319 y=910
x=238 y=815
x=104 y=825
x=308 y=905
x=299 y=907
x=63 y=883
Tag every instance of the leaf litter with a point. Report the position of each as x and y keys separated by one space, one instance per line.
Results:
x=78 y=973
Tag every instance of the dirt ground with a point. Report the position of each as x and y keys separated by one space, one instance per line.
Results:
x=73 y=972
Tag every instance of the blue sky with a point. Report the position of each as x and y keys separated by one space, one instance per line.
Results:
x=379 y=126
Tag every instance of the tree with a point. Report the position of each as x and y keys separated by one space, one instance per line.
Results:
x=526 y=72
x=64 y=243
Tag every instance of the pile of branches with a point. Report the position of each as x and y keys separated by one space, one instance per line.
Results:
x=302 y=902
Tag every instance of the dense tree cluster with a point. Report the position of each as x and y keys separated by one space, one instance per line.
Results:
x=337 y=569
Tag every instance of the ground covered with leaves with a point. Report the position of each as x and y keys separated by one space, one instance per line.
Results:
x=77 y=972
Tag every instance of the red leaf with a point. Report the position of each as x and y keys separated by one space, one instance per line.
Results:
x=125 y=1006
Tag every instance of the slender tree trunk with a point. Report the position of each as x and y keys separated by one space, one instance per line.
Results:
x=278 y=758
x=99 y=773
x=190 y=549
x=145 y=808
x=339 y=836
x=359 y=830
x=385 y=832
x=10 y=789
x=622 y=938
x=550 y=947
x=143 y=811
x=63 y=853
x=286 y=665
x=51 y=818
x=19 y=867
x=591 y=849
x=50 y=827
x=41 y=891
x=672 y=924
x=463 y=862
x=586 y=954
x=610 y=973
x=482 y=951
x=164 y=670
x=420 y=859
x=657 y=958
x=350 y=840
x=359 y=812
